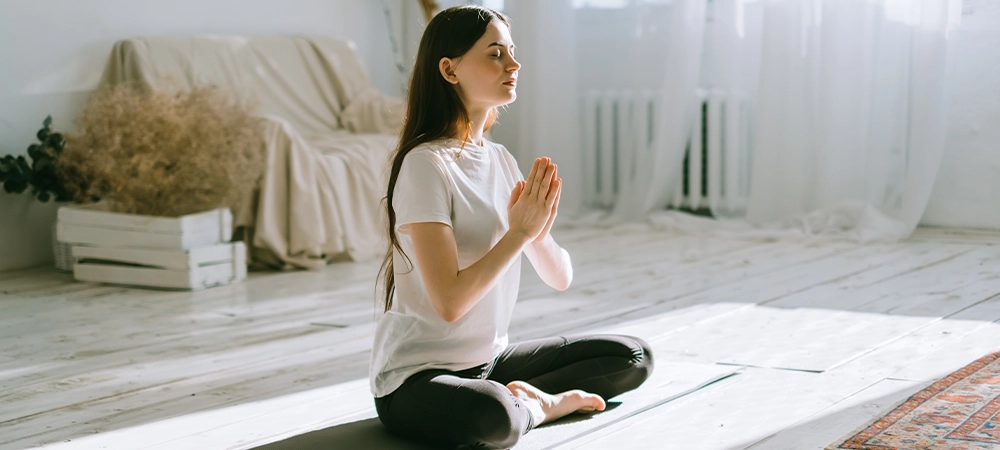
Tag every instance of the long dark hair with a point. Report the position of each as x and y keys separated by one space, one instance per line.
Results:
x=434 y=109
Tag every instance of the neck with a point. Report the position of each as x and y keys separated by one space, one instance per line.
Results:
x=478 y=117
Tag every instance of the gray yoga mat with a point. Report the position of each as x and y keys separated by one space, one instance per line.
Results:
x=367 y=434
x=670 y=380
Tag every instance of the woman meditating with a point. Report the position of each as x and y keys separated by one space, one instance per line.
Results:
x=459 y=216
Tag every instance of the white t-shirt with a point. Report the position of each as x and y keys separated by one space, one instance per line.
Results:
x=468 y=189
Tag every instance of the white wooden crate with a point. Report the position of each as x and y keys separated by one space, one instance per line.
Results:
x=193 y=269
x=94 y=225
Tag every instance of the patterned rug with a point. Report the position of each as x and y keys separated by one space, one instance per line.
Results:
x=957 y=412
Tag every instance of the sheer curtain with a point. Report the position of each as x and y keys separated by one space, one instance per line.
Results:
x=845 y=107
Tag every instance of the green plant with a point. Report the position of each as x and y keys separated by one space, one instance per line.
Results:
x=41 y=175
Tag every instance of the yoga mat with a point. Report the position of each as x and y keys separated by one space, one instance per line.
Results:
x=670 y=380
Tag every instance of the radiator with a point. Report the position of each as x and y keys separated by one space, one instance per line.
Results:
x=618 y=132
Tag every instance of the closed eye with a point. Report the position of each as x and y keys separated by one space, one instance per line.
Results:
x=500 y=45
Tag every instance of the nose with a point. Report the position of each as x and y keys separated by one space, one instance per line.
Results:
x=514 y=65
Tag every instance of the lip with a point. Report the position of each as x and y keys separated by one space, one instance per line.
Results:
x=510 y=83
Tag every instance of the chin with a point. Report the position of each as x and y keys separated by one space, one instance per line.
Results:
x=509 y=98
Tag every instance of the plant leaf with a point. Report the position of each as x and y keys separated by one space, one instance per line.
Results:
x=57 y=142
x=42 y=164
x=22 y=165
x=35 y=151
x=53 y=140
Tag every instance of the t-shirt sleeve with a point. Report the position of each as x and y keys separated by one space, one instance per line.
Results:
x=421 y=193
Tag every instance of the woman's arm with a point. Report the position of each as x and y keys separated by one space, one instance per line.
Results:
x=454 y=292
x=551 y=262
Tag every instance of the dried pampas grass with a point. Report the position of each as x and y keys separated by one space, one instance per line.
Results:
x=164 y=153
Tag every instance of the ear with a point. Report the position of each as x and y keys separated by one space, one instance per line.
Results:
x=447 y=67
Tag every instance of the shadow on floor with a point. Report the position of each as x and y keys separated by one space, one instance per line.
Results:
x=361 y=435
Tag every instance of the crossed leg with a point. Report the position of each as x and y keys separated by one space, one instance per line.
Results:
x=528 y=384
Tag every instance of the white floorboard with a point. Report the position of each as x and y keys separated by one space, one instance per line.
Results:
x=835 y=422
x=830 y=334
x=795 y=339
x=734 y=413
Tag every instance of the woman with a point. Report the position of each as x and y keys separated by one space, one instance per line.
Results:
x=442 y=370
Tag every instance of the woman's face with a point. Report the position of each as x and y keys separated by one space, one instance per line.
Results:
x=486 y=75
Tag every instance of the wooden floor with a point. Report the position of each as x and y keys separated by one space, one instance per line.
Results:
x=830 y=335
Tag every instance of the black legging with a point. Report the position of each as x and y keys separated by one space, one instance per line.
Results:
x=474 y=406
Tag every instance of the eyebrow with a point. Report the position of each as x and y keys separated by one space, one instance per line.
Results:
x=500 y=44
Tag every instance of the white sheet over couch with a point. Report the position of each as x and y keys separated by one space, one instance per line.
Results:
x=328 y=135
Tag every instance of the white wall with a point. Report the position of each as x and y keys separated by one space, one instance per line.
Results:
x=967 y=190
x=52 y=53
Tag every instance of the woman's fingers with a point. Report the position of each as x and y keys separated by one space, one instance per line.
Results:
x=515 y=194
x=555 y=207
x=545 y=182
x=537 y=192
x=555 y=190
x=551 y=200
x=529 y=187
x=538 y=185
x=555 y=176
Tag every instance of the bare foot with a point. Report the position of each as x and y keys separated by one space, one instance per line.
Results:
x=547 y=407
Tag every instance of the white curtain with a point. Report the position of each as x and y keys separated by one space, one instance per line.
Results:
x=541 y=121
x=844 y=109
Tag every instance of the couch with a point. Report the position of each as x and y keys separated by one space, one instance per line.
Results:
x=328 y=135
